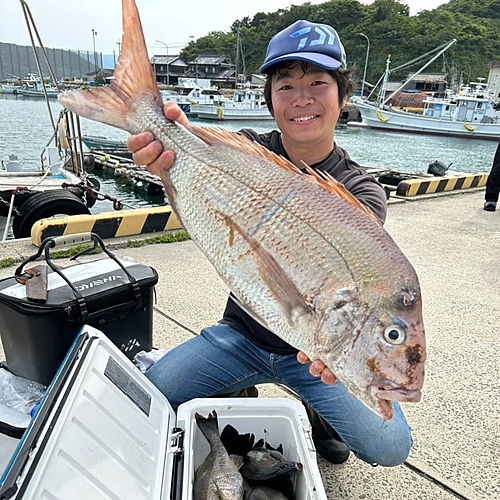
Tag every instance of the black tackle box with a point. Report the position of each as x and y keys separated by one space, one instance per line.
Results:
x=43 y=307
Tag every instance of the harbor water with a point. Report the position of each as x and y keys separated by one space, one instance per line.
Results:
x=25 y=128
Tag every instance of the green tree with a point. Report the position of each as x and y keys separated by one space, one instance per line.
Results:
x=390 y=28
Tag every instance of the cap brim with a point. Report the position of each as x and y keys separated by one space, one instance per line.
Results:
x=321 y=60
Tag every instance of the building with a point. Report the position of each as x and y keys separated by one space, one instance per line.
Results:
x=218 y=69
x=428 y=83
x=168 y=69
x=257 y=80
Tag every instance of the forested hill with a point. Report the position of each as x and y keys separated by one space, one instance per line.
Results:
x=388 y=25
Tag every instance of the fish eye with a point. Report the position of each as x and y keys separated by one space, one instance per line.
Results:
x=394 y=335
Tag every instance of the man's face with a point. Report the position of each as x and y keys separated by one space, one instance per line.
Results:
x=305 y=105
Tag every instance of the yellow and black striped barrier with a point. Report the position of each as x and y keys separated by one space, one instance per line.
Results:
x=416 y=187
x=108 y=224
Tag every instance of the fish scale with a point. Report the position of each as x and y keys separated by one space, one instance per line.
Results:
x=299 y=252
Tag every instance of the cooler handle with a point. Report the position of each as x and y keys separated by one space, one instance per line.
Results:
x=53 y=242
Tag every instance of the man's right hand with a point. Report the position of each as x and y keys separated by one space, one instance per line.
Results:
x=148 y=151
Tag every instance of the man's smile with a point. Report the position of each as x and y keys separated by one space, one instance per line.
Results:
x=304 y=118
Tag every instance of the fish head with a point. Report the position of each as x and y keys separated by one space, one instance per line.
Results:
x=380 y=354
x=395 y=360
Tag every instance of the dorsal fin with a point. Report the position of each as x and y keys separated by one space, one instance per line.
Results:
x=331 y=184
x=221 y=136
x=323 y=179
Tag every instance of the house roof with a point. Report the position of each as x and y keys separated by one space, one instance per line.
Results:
x=428 y=77
x=227 y=73
x=494 y=64
x=168 y=60
x=211 y=60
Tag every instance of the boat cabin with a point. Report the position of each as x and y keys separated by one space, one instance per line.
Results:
x=471 y=105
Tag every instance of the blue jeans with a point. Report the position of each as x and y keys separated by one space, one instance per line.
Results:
x=221 y=361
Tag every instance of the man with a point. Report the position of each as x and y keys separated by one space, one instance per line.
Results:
x=493 y=184
x=307 y=86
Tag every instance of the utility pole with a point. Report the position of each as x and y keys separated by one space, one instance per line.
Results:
x=166 y=46
x=94 y=34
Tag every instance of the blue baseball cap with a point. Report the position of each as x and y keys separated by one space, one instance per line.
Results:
x=314 y=43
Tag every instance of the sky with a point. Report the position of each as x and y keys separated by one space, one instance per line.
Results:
x=68 y=24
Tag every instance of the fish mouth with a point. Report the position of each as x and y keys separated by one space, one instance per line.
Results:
x=390 y=391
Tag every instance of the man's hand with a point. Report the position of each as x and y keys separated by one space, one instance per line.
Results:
x=148 y=151
x=317 y=369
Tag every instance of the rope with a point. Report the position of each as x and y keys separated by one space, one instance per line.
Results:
x=381 y=117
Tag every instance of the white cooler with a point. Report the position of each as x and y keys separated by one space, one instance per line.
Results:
x=104 y=431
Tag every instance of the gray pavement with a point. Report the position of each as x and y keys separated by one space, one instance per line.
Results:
x=455 y=247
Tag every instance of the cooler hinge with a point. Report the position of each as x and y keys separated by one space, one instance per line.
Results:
x=177 y=450
x=177 y=441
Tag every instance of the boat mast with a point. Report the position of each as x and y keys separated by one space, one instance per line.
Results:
x=383 y=88
x=237 y=58
x=442 y=51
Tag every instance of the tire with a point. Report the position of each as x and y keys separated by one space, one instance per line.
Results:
x=44 y=205
x=19 y=199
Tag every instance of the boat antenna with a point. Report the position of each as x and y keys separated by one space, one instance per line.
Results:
x=30 y=23
x=442 y=51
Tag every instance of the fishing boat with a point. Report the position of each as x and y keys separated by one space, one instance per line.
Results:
x=467 y=113
x=6 y=88
x=27 y=196
x=101 y=144
x=246 y=104
x=190 y=92
x=34 y=87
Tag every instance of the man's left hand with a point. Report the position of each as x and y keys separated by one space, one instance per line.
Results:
x=317 y=369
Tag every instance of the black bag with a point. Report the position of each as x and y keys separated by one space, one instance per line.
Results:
x=111 y=295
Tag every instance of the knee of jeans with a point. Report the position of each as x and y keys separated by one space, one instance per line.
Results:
x=155 y=377
x=391 y=453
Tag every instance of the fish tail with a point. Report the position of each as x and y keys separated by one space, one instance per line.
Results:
x=133 y=82
x=209 y=426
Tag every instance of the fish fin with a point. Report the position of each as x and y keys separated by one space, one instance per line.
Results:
x=237 y=460
x=279 y=449
x=236 y=443
x=213 y=136
x=324 y=179
x=281 y=286
x=133 y=80
x=209 y=426
x=327 y=181
x=259 y=443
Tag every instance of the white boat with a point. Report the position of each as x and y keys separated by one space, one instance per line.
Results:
x=191 y=93
x=247 y=104
x=33 y=87
x=6 y=88
x=469 y=114
x=27 y=196
x=36 y=90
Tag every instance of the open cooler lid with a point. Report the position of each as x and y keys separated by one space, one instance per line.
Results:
x=102 y=431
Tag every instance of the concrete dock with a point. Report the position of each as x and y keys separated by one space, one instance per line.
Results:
x=455 y=247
